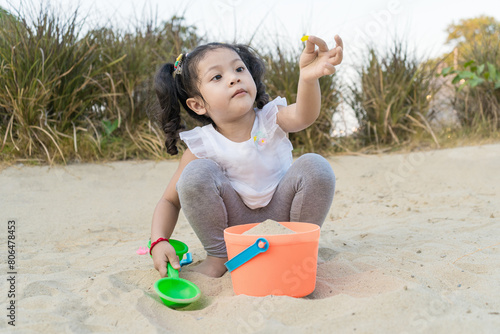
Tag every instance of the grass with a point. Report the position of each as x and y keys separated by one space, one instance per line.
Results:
x=391 y=100
x=479 y=106
x=477 y=86
x=62 y=89
x=72 y=96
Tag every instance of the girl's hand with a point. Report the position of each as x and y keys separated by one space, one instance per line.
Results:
x=315 y=63
x=162 y=253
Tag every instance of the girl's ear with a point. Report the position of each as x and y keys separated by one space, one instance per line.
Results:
x=196 y=105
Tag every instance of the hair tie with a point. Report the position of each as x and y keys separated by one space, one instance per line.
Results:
x=178 y=63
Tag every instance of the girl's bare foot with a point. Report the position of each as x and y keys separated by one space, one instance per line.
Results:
x=211 y=266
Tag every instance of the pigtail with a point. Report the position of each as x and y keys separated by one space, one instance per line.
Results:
x=169 y=117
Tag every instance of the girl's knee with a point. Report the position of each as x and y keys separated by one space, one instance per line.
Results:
x=198 y=174
x=318 y=167
x=312 y=159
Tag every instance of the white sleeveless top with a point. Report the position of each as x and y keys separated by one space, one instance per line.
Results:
x=254 y=167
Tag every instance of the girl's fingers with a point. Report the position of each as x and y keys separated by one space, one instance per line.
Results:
x=174 y=261
x=329 y=69
x=337 y=57
x=309 y=46
x=172 y=257
x=312 y=41
x=339 y=42
x=163 y=270
x=162 y=254
x=162 y=267
x=324 y=57
x=333 y=52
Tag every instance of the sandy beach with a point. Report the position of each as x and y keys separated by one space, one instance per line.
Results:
x=411 y=245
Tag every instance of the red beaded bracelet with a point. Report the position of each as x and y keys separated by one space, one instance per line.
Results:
x=154 y=244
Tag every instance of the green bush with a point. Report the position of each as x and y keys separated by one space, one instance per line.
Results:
x=130 y=82
x=477 y=82
x=47 y=81
x=61 y=89
x=69 y=95
x=74 y=96
x=391 y=100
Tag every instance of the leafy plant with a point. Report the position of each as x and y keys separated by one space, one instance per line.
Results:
x=109 y=127
x=479 y=104
x=476 y=75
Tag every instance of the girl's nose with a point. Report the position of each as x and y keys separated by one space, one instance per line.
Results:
x=233 y=81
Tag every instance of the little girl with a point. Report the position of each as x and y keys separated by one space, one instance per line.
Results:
x=238 y=167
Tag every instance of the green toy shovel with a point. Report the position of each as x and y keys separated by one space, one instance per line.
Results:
x=176 y=292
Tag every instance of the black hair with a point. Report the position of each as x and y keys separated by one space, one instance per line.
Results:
x=174 y=89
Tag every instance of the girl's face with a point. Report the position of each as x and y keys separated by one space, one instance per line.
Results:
x=226 y=85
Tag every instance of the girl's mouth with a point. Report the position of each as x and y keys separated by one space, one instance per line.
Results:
x=239 y=92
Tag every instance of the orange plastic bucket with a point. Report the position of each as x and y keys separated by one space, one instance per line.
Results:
x=287 y=268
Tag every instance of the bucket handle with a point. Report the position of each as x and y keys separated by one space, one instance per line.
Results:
x=259 y=246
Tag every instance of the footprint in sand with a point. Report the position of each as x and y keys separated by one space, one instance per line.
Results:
x=326 y=254
x=337 y=276
x=42 y=288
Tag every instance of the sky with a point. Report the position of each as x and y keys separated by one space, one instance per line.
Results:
x=420 y=23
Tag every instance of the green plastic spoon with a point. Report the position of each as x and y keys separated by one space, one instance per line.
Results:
x=176 y=292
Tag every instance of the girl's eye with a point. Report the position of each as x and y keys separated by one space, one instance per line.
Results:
x=217 y=77
x=240 y=69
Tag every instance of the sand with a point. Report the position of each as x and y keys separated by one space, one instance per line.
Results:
x=411 y=245
x=268 y=227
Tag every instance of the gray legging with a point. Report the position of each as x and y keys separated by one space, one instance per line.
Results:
x=210 y=203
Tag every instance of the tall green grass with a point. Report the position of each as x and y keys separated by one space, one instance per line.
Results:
x=47 y=81
x=72 y=96
x=129 y=82
x=391 y=99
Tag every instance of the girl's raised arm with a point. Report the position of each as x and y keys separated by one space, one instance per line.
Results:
x=314 y=63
